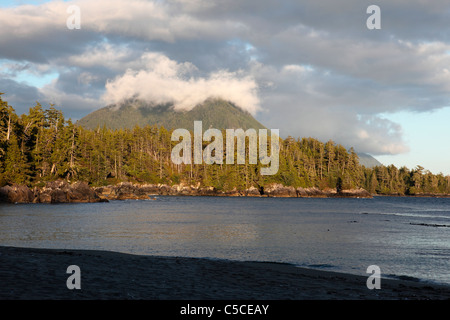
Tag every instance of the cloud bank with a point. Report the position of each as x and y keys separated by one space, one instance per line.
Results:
x=164 y=80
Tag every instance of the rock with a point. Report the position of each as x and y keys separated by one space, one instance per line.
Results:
x=354 y=193
x=61 y=191
x=208 y=191
x=43 y=197
x=58 y=196
x=253 y=192
x=81 y=192
x=16 y=194
x=278 y=190
x=301 y=192
x=165 y=190
x=315 y=192
x=231 y=193
x=125 y=191
x=185 y=190
x=128 y=190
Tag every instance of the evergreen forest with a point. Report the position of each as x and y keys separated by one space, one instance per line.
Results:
x=43 y=146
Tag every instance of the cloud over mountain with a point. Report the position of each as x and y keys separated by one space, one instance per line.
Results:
x=165 y=80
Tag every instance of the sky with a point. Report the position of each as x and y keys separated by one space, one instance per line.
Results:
x=307 y=68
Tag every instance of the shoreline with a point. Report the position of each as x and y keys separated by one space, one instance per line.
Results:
x=40 y=274
x=60 y=191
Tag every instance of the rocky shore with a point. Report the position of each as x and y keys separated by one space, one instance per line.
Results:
x=61 y=191
x=124 y=191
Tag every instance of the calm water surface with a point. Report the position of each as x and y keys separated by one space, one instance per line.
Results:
x=403 y=236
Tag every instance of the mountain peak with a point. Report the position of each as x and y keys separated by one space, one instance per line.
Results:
x=214 y=113
x=368 y=161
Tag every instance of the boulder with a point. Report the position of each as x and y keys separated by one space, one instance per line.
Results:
x=60 y=191
x=278 y=190
x=315 y=192
x=81 y=192
x=127 y=191
x=58 y=196
x=301 y=192
x=354 y=193
x=16 y=194
x=253 y=192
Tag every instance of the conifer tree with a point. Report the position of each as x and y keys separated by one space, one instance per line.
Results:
x=16 y=166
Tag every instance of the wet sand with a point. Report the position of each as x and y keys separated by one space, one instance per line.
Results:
x=30 y=274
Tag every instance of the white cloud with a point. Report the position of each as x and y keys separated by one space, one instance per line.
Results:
x=165 y=80
x=302 y=101
x=101 y=55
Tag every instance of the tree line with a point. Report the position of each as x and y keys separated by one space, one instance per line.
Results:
x=42 y=146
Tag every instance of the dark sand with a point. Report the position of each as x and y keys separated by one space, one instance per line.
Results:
x=41 y=274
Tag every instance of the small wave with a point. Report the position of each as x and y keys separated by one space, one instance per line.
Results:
x=321 y=266
x=438 y=253
x=403 y=277
x=408 y=214
x=431 y=225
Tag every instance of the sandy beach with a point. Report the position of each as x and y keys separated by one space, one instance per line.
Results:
x=29 y=274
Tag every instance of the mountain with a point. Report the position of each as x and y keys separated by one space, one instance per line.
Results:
x=214 y=113
x=368 y=161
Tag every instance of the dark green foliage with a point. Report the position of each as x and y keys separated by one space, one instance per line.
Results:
x=214 y=113
x=42 y=146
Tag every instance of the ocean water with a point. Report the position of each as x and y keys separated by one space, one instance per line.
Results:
x=405 y=237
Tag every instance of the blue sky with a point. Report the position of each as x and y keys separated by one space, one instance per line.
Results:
x=14 y=3
x=307 y=68
x=427 y=135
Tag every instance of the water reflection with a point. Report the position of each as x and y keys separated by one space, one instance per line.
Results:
x=343 y=234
